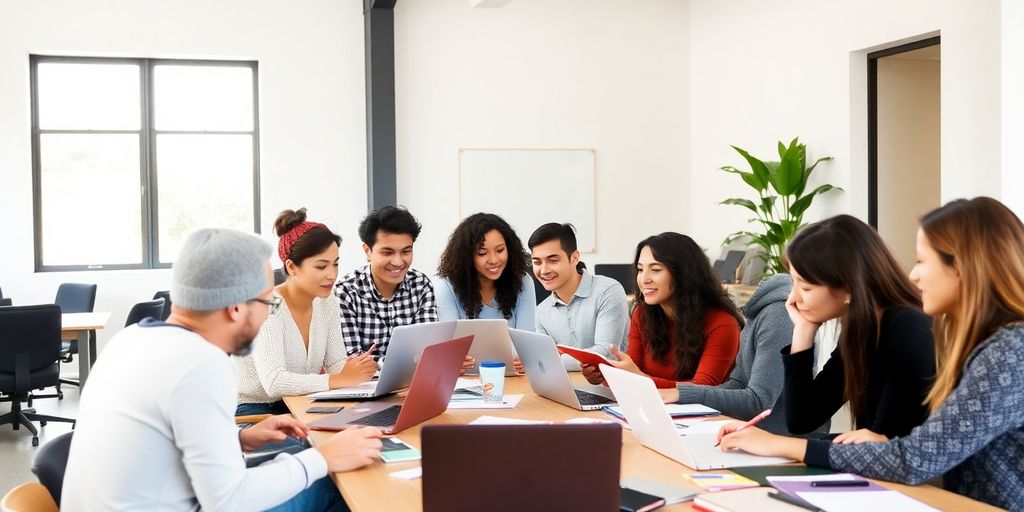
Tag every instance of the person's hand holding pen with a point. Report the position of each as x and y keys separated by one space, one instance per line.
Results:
x=359 y=367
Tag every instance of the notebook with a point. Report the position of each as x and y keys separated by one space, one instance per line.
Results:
x=743 y=500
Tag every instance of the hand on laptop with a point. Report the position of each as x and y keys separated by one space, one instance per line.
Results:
x=357 y=369
x=271 y=430
x=468 y=364
x=518 y=366
x=351 y=449
x=758 y=442
x=859 y=436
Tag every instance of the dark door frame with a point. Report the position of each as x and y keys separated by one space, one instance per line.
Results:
x=873 y=117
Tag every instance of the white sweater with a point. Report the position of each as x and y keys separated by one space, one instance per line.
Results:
x=156 y=431
x=280 y=364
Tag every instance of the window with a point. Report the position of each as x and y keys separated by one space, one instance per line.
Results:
x=130 y=155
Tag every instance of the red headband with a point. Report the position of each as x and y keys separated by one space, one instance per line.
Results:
x=287 y=241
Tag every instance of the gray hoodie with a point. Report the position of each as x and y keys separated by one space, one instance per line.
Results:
x=755 y=383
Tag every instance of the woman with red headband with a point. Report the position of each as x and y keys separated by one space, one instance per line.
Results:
x=299 y=349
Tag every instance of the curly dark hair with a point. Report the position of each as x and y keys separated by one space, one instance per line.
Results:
x=697 y=290
x=457 y=263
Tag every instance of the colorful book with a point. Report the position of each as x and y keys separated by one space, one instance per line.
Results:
x=715 y=482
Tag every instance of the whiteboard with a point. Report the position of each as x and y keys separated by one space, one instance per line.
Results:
x=531 y=187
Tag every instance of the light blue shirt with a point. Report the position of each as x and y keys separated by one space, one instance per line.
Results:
x=449 y=307
x=596 y=318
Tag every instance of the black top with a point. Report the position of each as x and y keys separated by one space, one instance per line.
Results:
x=900 y=373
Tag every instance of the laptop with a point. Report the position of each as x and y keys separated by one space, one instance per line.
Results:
x=490 y=342
x=432 y=385
x=521 y=467
x=548 y=377
x=643 y=408
x=407 y=342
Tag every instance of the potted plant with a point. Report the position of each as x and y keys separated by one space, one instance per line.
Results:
x=782 y=199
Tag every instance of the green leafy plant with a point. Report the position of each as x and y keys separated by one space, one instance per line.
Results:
x=781 y=201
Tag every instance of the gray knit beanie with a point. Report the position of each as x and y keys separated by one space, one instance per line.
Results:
x=218 y=268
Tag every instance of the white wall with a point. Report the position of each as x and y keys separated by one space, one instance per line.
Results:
x=908 y=150
x=1012 y=33
x=768 y=71
x=312 y=114
x=602 y=74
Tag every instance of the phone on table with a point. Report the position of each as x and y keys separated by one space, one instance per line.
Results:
x=324 y=409
x=394 y=449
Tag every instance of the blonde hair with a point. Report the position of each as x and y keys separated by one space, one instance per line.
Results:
x=984 y=242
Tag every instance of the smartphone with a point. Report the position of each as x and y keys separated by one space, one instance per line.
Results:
x=394 y=449
x=324 y=409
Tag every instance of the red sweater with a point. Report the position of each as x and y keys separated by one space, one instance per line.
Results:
x=722 y=343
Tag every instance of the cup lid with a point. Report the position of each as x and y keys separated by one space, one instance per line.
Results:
x=493 y=364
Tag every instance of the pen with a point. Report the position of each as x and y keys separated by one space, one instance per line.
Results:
x=793 y=501
x=753 y=421
x=840 y=483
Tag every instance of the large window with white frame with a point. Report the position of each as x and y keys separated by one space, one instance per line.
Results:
x=130 y=155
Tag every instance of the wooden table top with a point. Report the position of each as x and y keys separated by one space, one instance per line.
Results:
x=372 y=488
x=83 y=321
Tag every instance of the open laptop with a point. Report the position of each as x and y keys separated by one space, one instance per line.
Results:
x=404 y=348
x=521 y=467
x=643 y=408
x=490 y=342
x=548 y=377
x=431 y=389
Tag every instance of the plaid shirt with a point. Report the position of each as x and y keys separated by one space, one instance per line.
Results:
x=367 y=317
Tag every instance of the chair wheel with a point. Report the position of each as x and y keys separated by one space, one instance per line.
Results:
x=60 y=395
x=35 y=441
x=42 y=423
x=17 y=426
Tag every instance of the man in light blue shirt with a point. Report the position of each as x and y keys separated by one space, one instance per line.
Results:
x=584 y=310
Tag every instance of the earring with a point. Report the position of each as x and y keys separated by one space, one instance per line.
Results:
x=847 y=302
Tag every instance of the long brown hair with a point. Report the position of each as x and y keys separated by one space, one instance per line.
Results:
x=843 y=252
x=984 y=242
x=697 y=290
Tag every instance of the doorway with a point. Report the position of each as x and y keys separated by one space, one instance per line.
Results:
x=904 y=152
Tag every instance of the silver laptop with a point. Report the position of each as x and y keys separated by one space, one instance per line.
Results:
x=490 y=342
x=643 y=408
x=548 y=377
x=404 y=349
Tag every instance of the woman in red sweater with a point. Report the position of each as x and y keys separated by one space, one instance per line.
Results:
x=684 y=328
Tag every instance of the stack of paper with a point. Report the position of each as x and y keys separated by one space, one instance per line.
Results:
x=494 y=420
x=842 y=499
x=714 y=482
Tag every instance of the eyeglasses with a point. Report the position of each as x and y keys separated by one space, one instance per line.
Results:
x=273 y=303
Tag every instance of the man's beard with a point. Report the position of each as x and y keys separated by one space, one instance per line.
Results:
x=243 y=343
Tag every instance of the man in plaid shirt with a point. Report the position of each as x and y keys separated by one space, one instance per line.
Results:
x=385 y=293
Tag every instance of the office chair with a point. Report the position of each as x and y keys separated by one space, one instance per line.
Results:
x=166 y=296
x=28 y=497
x=538 y=288
x=280 y=276
x=4 y=301
x=148 y=309
x=75 y=298
x=624 y=273
x=50 y=462
x=29 y=349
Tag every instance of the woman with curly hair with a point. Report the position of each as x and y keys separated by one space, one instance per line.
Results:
x=484 y=273
x=684 y=327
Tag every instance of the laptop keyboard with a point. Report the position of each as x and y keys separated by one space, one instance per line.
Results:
x=587 y=398
x=381 y=418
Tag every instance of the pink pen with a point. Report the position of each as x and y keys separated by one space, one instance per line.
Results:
x=753 y=421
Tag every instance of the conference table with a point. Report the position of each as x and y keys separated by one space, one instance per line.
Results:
x=372 y=488
x=76 y=326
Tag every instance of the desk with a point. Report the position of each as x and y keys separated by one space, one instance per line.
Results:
x=76 y=326
x=372 y=488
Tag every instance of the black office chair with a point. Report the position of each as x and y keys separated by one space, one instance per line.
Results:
x=50 y=462
x=75 y=298
x=624 y=273
x=166 y=296
x=29 y=348
x=4 y=301
x=280 y=276
x=153 y=309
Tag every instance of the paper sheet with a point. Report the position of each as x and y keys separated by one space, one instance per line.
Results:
x=409 y=474
x=507 y=402
x=855 y=501
x=494 y=420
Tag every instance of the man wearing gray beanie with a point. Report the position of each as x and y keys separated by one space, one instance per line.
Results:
x=156 y=422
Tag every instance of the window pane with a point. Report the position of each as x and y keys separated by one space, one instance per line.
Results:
x=199 y=98
x=204 y=181
x=91 y=211
x=88 y=96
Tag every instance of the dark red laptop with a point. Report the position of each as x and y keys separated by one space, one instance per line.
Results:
x=432 y=386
